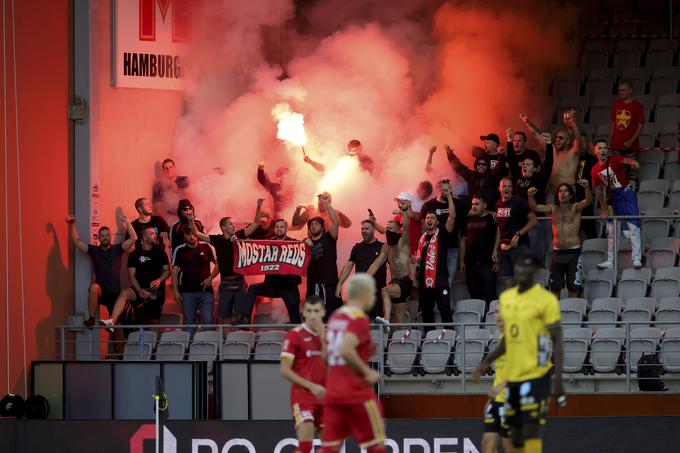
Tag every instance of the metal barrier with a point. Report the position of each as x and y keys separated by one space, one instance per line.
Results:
x=458 y=364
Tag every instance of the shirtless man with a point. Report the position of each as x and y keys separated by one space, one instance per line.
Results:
x=565 y=158
x=305 y=212
x=566 y=225
x=396 y=252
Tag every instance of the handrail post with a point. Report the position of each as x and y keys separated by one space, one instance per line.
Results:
x=615 y=258
x=628 y=356
x=464 y=358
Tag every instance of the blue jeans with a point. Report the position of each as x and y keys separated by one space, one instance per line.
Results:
x=451 y=266
x=201 y=301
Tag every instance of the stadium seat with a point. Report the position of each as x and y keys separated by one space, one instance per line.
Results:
x=666 y=283
x=655 y=185
x=171 y=319
x=542 y=276
x=600 y=82
x=671 y=171
x=670 y=351
x=494 y=306
x=642 y=341
x=648 y=140
x=667 y=110
x=238 y=345
x=655 y=228
x=378 y=340
x=567 y=82
x=605 y=312
x=638 y=310
x=633 y=283
x=650 y=198
x=649 y=171
x=576 y=342
x=138 y=346
x=600 y=283
x=600 y=108
x=663 y=252
x=662 y=44
x=638 y=77
x=469 y=312
x=593 y=252
x=436 y=350
x=572 y=310
x=624 y=259
x=602 y=131
x=605 y=349
x=271 y=335
x=599 y=45
x=172 y=345
x=491 y=322
x=667 y=316
x=468 y=354
x=624 y=59
x=205 y=345
x=669 y=141
x=668 y=138
x=403 y=350
x=268 y=344
x=595 y=59
x=664 y=80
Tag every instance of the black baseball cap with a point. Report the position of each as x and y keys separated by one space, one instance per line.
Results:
x=492 y=137
x=527 y=258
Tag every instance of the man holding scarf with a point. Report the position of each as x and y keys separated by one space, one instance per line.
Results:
x=432 y=274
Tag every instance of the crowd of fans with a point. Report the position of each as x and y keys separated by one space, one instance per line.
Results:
x=436 y=231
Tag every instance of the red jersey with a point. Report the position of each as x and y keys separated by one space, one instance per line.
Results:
x=344 y=385
x=626 y=118
x=612 y=174
x=415 y=227
x=303 y=347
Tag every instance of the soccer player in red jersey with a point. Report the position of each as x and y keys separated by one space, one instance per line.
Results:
x=302 y=364
x=350 y=405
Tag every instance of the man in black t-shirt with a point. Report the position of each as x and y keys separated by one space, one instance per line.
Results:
x=440 y=206
x=515 y=219
x=278 y=189
x=432 y=273
x=519 y=146
x=232 y=290
x=497 y=162
x=148 y=268
x=106 y=262
x=532 y=174
x=362 y=256
x=480 y=179
x=476 y=251
x=147 y=219
x=192 y=279
x=168 y=190
x=184 y=210
x=284 y=286
x=322 y=273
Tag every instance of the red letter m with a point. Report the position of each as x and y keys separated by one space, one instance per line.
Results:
x=180 y=19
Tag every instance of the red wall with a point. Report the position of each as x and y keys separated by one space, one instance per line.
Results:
x=43 y=62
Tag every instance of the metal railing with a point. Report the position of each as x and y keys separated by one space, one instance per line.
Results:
x=458 y=363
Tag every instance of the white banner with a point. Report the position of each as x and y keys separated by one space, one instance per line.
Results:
x=150 y=39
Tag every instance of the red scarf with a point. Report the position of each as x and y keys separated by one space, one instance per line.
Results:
x=430 y=272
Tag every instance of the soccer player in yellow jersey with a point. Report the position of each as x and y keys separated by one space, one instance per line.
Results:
x=494 y=420
x=531 y=317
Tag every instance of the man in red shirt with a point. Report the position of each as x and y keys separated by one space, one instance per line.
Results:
x=350 y=405
x=627 y=117
x=611 y=184
x=302 y=364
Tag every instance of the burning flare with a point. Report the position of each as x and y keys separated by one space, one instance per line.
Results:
x=290 y=126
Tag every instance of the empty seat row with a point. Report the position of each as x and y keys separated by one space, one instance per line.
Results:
x=601 y=283
x=606 y=347
x=657 y=81
x=174 y=345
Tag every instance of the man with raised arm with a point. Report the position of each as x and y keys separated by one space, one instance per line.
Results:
x=396 y=252
x=565 y=157
x=350 y=405
x=303 y=213
x=322 y=273
x=565 y=266
x=232 y=290
x=106 y=260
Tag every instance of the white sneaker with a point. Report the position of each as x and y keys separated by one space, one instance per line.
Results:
x=108 y=323
x=605 y=265
x=637 y=264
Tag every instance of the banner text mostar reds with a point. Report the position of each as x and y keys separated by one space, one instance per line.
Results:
x=150 y=40
x=271 y=257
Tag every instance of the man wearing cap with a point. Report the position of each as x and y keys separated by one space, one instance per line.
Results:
x=356 y=149
x=480 y=179
x=280 y=196
x=497 y=162
x=440 y=207
x=322 y=272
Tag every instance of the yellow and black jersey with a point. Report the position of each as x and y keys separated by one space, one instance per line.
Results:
x=527 y=317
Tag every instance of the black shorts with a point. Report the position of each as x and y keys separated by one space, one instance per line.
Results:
x=494 y=421
x=108 y=300
x=405 y=287
x=566 y=263
x=151 y=309
x=527 y=402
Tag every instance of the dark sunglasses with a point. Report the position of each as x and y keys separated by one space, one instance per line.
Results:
x=188 y=208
